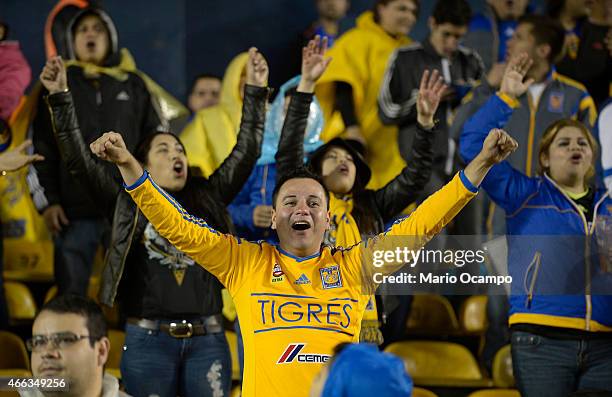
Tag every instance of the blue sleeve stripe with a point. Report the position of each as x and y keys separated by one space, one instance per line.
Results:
x=607 y=172
x=138 y=182
x=466 y=182
x=190 y=218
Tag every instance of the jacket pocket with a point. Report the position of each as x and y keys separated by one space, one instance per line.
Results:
x=534 y=268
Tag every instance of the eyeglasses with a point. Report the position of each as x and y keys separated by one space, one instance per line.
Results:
x=60 y=340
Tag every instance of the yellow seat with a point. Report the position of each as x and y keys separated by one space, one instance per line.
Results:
x=496 y=393
x=232 y=341
x=236 y=391
x=473 y=315
x=14 y=355
x=432 y=314
x=434 y=363
x=117 y=340
x=503 y=375
x=20 y=302
x=418 y=392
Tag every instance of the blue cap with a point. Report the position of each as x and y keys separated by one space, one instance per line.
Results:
x=361 y=370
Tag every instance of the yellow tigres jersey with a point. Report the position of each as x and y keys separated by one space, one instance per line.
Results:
x=293 y=310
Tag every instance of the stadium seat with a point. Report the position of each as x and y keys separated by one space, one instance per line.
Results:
x=432 y=314
x=232 y=341
x=503 y=375
x=20 y=302
x=418 y=392
x=496 y=393
x=473 y=315
x=14 y=355
x=236 y=391
x=442 y=364
x=117 y=340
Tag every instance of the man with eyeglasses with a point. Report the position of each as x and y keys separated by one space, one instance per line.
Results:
x=69 y=341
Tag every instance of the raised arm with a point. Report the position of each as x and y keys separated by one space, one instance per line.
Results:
x=507 y=186
x=231 y=175
x=290 y=153
x=404 y=189
x=82 y=166
x=217 y=252
x=439 y=209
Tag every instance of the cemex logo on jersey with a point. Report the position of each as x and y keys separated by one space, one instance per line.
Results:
x=277 y=274
x=292 y=352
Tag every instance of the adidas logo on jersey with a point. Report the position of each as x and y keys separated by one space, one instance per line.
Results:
x=302 y=280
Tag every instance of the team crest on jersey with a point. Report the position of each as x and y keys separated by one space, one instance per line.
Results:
x=330 y=277
x=555 y=102
x=277 y=274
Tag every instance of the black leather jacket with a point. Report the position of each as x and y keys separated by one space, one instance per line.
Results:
x=128 y=222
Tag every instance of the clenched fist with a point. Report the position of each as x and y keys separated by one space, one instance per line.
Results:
x=111 y=147
x=497 y=147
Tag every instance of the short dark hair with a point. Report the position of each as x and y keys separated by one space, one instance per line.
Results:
x=300 y=172
x=455 y=12
x=203 y=76
x=546 y=30
x=84 y=307
x=144 y=146
x=385 y=2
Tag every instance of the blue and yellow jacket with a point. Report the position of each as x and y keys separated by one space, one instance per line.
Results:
x=557 y=278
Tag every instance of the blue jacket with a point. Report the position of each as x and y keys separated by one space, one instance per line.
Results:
x=557 y=279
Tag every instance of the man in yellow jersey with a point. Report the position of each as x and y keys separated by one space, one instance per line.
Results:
x=297 y=300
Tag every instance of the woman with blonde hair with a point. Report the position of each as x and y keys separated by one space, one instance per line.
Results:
x=557 y=227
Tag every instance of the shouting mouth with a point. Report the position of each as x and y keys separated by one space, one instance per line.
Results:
x=301 y=225
x=179 y=169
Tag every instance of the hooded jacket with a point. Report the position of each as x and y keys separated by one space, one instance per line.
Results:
x=360 y=58
x=128 y=224
x=260 y=185
x=102 y=104
x=211 y=135
x=552 y=250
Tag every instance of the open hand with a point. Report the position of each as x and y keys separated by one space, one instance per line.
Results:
x=53 y=75
x=314 y=63
x=430 y=92
x=512 y=83
x=256 y=69
x=17 y=158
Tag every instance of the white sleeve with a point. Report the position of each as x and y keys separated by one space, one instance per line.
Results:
x=604 y=125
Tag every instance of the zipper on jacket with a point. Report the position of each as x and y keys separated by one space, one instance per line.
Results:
x=535 y=262
x=127 y=250
x=587 y=251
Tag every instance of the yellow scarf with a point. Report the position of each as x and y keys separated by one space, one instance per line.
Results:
x=168 y=106
x=344 y=233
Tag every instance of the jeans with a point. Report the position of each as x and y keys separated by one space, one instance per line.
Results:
x=555 y=368
x=155 y=363
x=75 y=250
